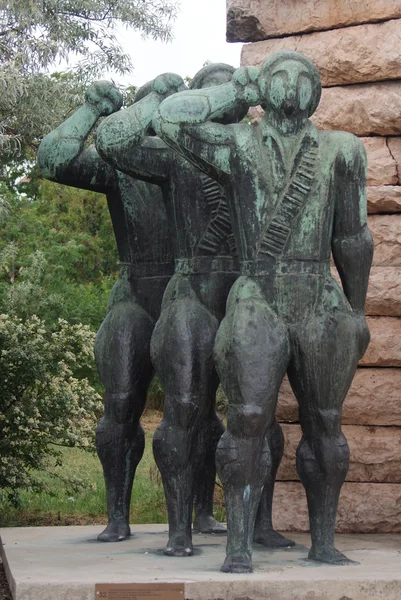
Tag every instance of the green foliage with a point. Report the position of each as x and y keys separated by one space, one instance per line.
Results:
x=58 y=254
x=72 y=228
x=44 y=400
x=36 y=103
x=221 y=402
x=155 y=399
x=29 y=296
x=84 y=302
x=36 y=35
x=32 y=289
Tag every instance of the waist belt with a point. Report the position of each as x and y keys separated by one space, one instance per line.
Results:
x=205 y=264
x=145 y=269
x=265 y=268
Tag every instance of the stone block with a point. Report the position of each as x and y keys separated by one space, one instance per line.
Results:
x=365 y=53
x=384 y=199
x=384 y=349
x=255 y=20
x=375 y=454
x=382 y=166
x=386 y=232
x=384 y=292
x=373 y=399
x=363 y=508
x=363 y=109
x=394 y=146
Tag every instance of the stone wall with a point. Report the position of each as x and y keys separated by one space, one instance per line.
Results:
x=357 y=49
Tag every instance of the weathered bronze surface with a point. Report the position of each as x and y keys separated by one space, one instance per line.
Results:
x=295 y=194
x=193 y=304
x=122 y=348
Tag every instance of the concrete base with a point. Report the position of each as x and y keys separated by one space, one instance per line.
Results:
x=65 y=563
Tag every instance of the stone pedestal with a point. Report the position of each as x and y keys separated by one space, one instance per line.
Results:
x=65 y=563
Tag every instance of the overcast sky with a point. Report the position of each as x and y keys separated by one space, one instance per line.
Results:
x=199 y=35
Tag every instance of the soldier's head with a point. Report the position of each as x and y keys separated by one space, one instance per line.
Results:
x=290 y=84
x=217 y=74
x=143 y=91
x=211 y=75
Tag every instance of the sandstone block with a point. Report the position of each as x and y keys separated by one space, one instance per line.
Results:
x=255 y=20
x=384 y=199
x=384 y=292
x=375 y=454
x=386 y=232
x=382 y=166
x=363 y=508
x=394 y=146
x=385 y=344
x=360 y=54
x=362 y=109
x=373 y=399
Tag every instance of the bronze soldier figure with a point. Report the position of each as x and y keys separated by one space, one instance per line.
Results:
x=193 y=304
x=122 y=348
x=295 y=195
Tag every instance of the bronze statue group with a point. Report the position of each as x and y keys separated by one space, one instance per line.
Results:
x=224 y=233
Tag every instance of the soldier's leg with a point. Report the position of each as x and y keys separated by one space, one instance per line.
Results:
x=211 y=430
x=182 y=348
x=252 y=354
x=264 y=532
x=122 y=352
x=326 y=354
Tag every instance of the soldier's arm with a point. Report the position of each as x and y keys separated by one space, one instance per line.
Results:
x=352 y=243
x=186 y=121
x=123 y=141
x=62 y=157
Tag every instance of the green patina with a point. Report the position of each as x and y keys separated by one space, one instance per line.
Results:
x=296 y=195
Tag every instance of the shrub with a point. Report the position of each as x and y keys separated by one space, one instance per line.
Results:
x=44 y=401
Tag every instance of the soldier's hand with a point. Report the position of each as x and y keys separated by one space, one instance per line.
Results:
x=246 y=81
x=167 y=84
x=104 y=97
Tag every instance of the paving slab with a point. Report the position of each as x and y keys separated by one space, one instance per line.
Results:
x=65 y=563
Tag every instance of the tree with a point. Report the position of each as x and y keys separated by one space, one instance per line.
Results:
x=35 y=34
x=59 y=239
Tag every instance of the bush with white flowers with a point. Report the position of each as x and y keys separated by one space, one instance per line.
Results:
x=45 y=401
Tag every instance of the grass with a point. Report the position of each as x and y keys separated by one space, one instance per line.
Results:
x=88 y=505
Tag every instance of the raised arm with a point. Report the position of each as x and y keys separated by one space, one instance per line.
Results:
x=62 y=157
x=352 y=244
x=123 y=138
x=196 y=122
